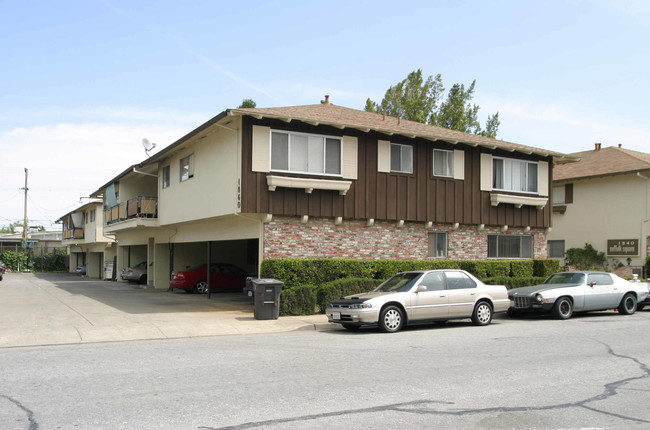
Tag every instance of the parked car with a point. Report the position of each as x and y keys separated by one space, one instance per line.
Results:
x=566 y=292
x=136 y=273
x=3 y=269
x=223 y=276
x=418 y=297
x=80 y=270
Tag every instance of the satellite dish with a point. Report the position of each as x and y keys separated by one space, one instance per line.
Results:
x=148 y=146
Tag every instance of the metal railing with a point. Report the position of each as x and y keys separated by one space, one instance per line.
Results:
x=137 y=207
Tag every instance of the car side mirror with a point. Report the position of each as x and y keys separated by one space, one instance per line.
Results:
x=421 y=288
x=592 y=283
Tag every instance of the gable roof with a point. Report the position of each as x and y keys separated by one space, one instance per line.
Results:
x=342 y=117
x=603 y=162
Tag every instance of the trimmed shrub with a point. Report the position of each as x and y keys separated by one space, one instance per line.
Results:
x=55 y=261
x=16 y=260
x=511 y=282
x=521 y=268
x=545 y=268
x=300 y=300
x=342 y=287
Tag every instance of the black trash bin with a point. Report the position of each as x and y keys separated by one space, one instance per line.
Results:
x=267 y=298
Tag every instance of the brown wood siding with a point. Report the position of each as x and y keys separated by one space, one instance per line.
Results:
x=417 y=197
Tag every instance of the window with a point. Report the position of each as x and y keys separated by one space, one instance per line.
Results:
x=510 y=246
x=514 y=175
x=92 y=215
x=443 y=163
x=86 y=217
x=555 y=249
x=458 y=281
x=165 y=177
x=600 y=279
x=434 y=281
x=305 y=153
x=563 y=194
x=401 y=158
x=187 y=167
x=437 y=244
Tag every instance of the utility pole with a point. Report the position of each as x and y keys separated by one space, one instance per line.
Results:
x=25 y=217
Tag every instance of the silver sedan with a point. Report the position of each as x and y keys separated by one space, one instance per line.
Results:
x=420 y=296
x=563 y=293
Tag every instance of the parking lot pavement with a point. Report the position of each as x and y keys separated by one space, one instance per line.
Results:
x=51 y=309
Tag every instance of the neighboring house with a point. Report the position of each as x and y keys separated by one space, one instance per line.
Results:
x=38 y=242
x=604 y=200
x=85 y=239
x=326 y=181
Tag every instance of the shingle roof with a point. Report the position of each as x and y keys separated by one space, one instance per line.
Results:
x=607 y=161
x=342 y=117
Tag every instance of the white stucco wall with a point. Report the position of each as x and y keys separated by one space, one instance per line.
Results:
x=611 y=207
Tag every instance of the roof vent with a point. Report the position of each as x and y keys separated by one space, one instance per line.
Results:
x=597 y=145
x=326 y=101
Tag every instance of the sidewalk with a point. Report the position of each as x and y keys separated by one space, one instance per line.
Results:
x=53 y=309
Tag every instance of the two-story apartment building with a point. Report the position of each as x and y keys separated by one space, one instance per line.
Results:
x=603 y=200
x=86 y=240
x=328 y=181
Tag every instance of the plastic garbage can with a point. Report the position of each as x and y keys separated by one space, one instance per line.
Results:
x=267 y=298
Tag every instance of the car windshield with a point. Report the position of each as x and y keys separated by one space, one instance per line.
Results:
x=399 y=282
x=566 y=278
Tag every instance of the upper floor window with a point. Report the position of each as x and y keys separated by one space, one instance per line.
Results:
x=92 y=215
x=187 y=167
x=510 y=246
x=165 y=177
x=305 y=153
x=563 y=194
x=443 y=163
x=401 y=158
x=515 y=175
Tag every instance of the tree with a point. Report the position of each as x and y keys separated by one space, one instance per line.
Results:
x=587 y=258
x=11 y=228
x=247 y=103
x=417 y=99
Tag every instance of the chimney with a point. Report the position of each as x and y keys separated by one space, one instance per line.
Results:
x=620 y=145
x=597 y=145
x=326 y=101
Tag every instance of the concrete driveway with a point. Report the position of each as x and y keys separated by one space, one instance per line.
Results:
x=50 y=309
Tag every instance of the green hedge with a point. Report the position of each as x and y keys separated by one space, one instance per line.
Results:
x=299 y=300
x=341 y=288
x=296 y=271
x=511 y=282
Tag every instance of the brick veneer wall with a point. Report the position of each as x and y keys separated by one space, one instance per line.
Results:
x=321 y=238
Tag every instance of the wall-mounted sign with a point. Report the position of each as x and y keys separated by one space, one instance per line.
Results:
x=623 y=247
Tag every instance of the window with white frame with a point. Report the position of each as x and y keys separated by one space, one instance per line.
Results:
x=515 y=175
x=401 y=158
x=92 y=215
x=165 y=177
x=558 y=195
x=187 y=167
x=510 y=246
x=305 y=153
x=443 y=163
x=437 y=244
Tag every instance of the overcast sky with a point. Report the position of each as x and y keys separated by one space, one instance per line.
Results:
x=82 y=82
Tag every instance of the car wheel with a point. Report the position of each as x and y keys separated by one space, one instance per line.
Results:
x=391 y=319
x=628 y=304
x=563 y=308
x=482 y=313
x=201 y=287
x=351 y=327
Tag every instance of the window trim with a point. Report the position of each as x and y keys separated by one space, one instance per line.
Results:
x=527 y=162
x=433 y=163
x=520 y=236
x=401 y=145
x=190 y=173
x=324 y=136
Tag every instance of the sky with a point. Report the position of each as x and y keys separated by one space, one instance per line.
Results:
x=83 y=82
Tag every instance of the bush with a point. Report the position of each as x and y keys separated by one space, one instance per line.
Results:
x=16 y=261
x=545 y=268
x=587 y=258
x=521 y=268
x=299 y=300
x=55 y=261
x=342 y=287
x=511 y=282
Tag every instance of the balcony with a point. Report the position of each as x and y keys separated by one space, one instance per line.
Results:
x=136 y=212
x=75 y=233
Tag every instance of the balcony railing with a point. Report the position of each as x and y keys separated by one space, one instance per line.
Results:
x=74 y=233
x=137 y=207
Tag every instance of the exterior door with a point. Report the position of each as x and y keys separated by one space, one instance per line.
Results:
x=432 y=303
x=462 y=294
x=603 y=294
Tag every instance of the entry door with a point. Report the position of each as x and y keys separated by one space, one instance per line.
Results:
x=432 y=303
x=462 y=294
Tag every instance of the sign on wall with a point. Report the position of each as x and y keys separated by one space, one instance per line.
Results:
x=623 y=247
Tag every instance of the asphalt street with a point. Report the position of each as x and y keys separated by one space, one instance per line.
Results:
x=591 y=371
